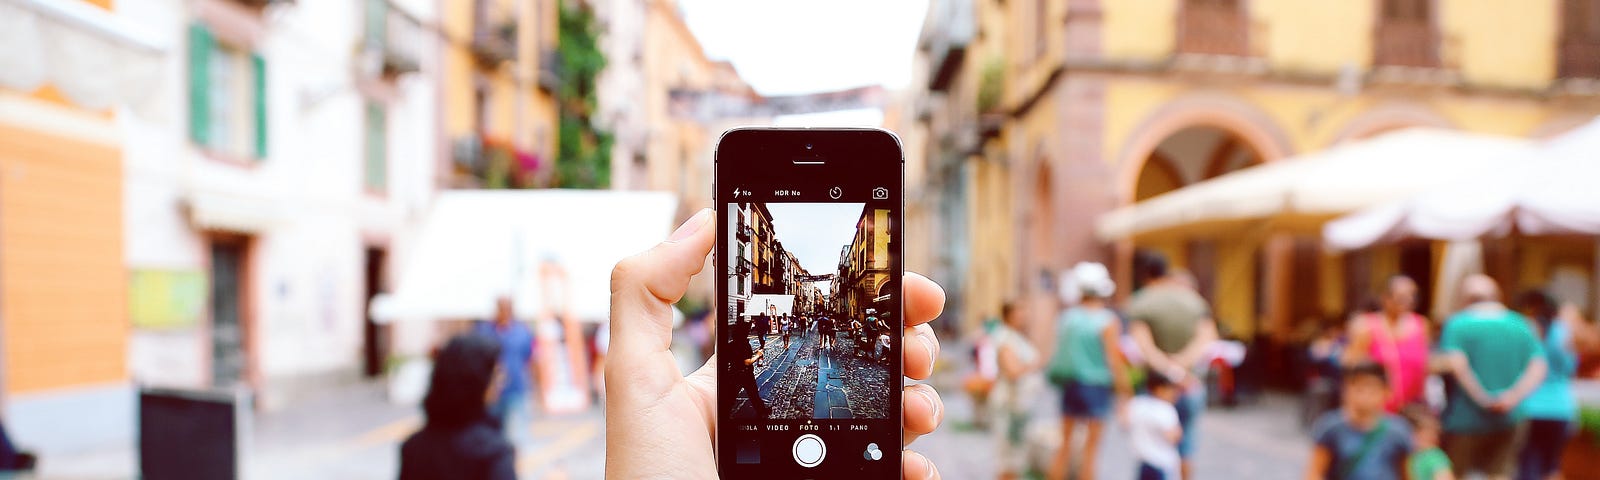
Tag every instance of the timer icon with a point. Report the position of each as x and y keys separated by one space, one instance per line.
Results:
x=835 y=192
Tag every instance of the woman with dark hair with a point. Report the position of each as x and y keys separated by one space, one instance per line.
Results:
x=460 y=439
x=1553 y=407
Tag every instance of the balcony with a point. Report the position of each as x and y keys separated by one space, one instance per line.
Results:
x=1406 y=44
x=494 y=43
x=1578 y=58
x=951 y=27
x=393 y=42
x=745 y=267
x=1213 y=28
x=744 y=233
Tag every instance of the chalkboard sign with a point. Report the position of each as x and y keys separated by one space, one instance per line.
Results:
x=185 y=434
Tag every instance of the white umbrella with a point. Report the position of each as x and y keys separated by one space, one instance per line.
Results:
x=1317 y=185
x=1545 y=190
x=475 y=246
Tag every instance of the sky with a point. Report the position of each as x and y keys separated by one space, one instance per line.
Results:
x=784 y=47
x=815 y=232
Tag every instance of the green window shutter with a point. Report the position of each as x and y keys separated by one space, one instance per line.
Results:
x=200 y=45
x=259 y=91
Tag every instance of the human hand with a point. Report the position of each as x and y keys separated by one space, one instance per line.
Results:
x=661 y=424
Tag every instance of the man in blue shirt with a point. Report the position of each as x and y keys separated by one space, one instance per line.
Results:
x=1497 y=362
x=516 y=360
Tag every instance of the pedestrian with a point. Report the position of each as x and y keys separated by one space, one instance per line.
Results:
x=762 y=327
x=1173 y=328
x=1497 y=362
x=1154 y=429
x=1014 y=391
x=1397 y=339
x=513 y=407
x=1427 y=461
x=743 y=371
x=11 y=459
x=783 y=327
x=1552 y=409
x=1087 y=366
x=460 y=439
x=825 y=332
x=1360 y=441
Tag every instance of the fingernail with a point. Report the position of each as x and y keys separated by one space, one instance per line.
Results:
x=927 y=343
x=932 y=404
x=690 y=226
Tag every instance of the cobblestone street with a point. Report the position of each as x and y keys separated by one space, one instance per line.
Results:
x=804 y=381
x=1262 y=440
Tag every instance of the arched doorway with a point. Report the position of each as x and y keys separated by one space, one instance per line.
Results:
x=1226 y=271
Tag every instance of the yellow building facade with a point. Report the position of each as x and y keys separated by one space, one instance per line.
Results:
x=497 y=79
x=1106 y=103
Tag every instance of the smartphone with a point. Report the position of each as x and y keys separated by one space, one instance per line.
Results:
x=809 y=330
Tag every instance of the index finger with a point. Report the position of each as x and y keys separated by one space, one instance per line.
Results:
x=924 y=299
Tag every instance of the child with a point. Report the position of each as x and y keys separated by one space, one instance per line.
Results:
x=1154 y=428
x=1428 y=462
x=1360 y=440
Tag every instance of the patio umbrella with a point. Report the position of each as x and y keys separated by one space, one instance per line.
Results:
x=1546 y=190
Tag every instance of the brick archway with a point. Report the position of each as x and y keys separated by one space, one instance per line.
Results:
x=1223 y=112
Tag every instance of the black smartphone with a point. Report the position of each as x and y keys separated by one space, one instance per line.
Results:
x=809 y=330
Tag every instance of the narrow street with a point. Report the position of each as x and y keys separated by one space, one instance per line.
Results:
x=817 y=383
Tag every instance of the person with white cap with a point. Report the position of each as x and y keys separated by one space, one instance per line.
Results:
x=1087 y=365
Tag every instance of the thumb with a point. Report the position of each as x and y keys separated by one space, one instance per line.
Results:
x=644 y=286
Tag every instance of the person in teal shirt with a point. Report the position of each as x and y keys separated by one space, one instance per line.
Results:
x=1552 y=408
x=1087 y=366
x=1497 y=362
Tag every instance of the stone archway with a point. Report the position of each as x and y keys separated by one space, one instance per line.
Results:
x=1197 y=137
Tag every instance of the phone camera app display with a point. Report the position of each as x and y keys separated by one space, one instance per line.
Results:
x=809 y=311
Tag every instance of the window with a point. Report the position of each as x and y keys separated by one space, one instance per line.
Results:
x=1580 y=39
x=376 y=26
x=376 y=177
x=227 y=97
x=1213 y=27
x=1406 y=35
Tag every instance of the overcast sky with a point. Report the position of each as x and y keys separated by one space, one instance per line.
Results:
x=784 y=47
x=815 y=232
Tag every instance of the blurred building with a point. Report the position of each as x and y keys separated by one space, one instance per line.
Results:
x=207 y=194
x=1074 y=107
x=497 y=81
x=74 y=73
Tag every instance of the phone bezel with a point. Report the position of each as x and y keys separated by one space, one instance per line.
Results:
x=857 y=160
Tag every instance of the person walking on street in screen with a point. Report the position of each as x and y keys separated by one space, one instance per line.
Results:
x=513 y=407
x=1397 y=339
x=1173 y=328
x=743 y=370
x=1087 y=365
x=783 y=326
x=1553 y=407
x=1154 y=429
x=1015 y=390
x=824 y=332
x=1427 y=461
x=459 y=439
x=762 y=326
x=1497 y=362
x=1360 y=441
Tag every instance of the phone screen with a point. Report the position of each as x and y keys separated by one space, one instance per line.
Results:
x=809 y=329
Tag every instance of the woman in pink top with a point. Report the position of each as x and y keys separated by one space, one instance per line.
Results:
x=1396 y=338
